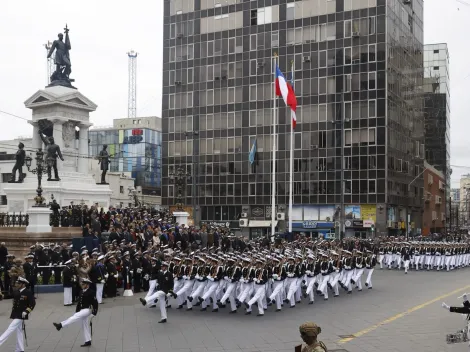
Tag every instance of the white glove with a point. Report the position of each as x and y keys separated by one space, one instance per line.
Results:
x=53 y=272
x=445 y=306
x=226 y=277
x=38 y=275
x=210 y=278
x=308 y=272
x=197 y=277
x=116 y=276
x=185 y=277
x=139 y=271
x=275 y=276
x=106 y=276
x=102 y=281
x=24 y=315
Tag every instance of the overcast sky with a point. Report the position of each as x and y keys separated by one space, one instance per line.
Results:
x=101 y=32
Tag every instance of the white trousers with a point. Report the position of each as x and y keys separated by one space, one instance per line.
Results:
x=161 y=296
x=245 y=291
x=230 y=293
x=67 y=295
x=416 y=260
x=211 y=292
x=407 y=265
x=260 y=292
x=184 y=292
x=292 y=282
x=81 y=316
x=369 y=276
x=278 y=287
x=310 y=291
x=152 y=285
x=15 y=325
x=99 y=293
x=198 y=288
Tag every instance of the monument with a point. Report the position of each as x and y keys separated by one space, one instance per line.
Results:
x=60 y=120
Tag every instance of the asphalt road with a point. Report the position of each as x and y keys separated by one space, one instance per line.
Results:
x=401 y=313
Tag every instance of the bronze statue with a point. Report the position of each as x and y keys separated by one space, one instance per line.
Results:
x=53 y=151
x=20 y=158
x=103 y=160
x=61 y=75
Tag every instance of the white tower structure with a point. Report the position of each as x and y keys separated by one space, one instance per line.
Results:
x=132 y=97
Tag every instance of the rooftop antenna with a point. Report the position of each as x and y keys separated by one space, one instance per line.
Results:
x=132 y=94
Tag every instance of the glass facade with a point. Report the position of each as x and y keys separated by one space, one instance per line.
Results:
x=137 y=151
x=437 y=108
x=358 y=112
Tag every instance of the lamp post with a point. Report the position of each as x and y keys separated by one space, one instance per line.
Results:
x=39 y=171
x=180 y=178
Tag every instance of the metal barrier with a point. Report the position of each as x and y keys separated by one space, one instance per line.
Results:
x=14 y=220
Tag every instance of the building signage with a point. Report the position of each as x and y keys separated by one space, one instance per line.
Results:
x=137 y=132
x=219 y=224
x=310 y=224
x=353 y=223
x=132 y=139
x=368 y=223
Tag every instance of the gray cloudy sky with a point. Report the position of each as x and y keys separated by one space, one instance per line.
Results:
x=101 y=33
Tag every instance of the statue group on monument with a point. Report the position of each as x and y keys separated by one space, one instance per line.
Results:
x=52 y=153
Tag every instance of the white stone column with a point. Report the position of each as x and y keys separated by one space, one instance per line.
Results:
x=83 y=149
x=37 y=142
x=59 y=140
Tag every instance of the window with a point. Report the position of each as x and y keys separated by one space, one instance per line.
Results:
x=322 y=143
x=436 y=68
x=372 y=108
x=189 y=102
x=253 y=42
x=253 y=92
x=171 y=191
x=347 y=28
x=265 y=15
x=274 y=39
x=290 y=15
x=252 y=189
x=372 y=25
x=347 y=186
x=171 y=101
x=210 y=48
x=321 y=164
x=347 y=83
x=372 y=80
x=347 y=55
x=252 y=118
x=253 y=67
x=298 y=140
x=230 y=189
x=347 y=163
x=322 y=58
x=372 y=186
x=372 y=52
x=372 y=162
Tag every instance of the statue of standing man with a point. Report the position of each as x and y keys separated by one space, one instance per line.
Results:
x=52 y=153
x=103 y=160
x=61 y=75
x=20 y=158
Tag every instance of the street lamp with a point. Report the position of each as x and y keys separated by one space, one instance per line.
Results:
x=39 y=170
x=180 y=178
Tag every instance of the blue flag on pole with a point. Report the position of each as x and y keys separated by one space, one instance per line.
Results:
x=251 y=156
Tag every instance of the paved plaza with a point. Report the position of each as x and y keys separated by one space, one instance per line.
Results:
x=401 y=313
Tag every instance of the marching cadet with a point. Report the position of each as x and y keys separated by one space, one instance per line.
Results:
x=337 y=266
x=261 y=278
x=370 y=262
x=101 y=276
x=279 y=275
x=246 y=281
x=310 y=273
x=87 y=307
x=69 y=280
x=23 y=305
x=137 y=272
x=189 y=272
x=232 y=275
x=326 y=269
x=200 y=281
x=406 y=257
x=165 y=288
x=216 y=274
x=111 y=281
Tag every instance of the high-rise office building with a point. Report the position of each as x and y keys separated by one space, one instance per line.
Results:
x=358 y=71
x=437 y=108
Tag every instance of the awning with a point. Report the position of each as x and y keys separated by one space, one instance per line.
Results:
x=261 y=223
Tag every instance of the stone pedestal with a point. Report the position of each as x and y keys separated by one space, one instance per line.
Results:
x=63 y=110
x=181 y=217
x=39 y=218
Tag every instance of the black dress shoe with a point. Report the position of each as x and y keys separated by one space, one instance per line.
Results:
x=278 y=310
x=260 y=315
x=200 y=299
x=180 y=306
x=153 y=306
x=215 y=310
x=143 y=301
x=366 y=284
x=163 y=321
x=247 y=305
x=58 y=326
x=247 y=313
x=86 y=344
x=187 y=309
x=311 y=302
x=203 y=309
x=233 y=311
x=190 y=299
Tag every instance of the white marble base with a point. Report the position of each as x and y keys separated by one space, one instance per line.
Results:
x=73 y=187
x=181 y=217
x=39 y=218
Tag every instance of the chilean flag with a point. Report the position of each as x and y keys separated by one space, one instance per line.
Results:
x=284 y=89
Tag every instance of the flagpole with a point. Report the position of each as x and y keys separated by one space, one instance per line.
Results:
x=291 y=160
x=273 y=196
